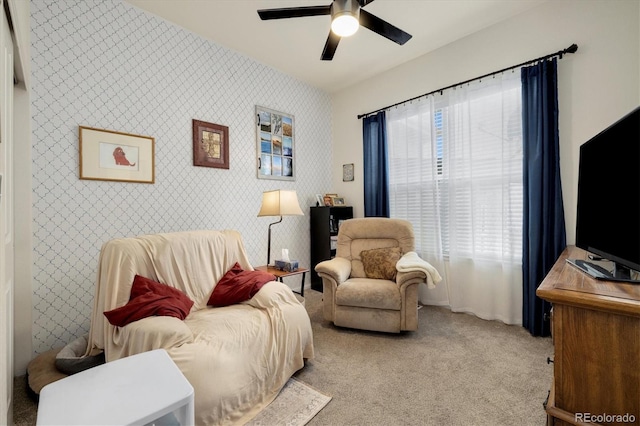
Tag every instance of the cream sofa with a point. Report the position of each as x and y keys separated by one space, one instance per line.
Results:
x=237 y=357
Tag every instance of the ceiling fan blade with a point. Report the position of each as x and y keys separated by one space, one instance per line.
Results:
x=330 y=46
x=294 y=12
x=383 y=28
x=363 y=3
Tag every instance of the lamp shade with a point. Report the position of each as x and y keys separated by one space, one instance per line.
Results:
x=280 y=203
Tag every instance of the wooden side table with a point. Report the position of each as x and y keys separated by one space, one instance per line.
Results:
x=282 y=274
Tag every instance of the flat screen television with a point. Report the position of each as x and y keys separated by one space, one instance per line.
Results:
x=608 y=212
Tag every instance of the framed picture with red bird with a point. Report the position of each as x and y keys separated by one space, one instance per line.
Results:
x=117 y=156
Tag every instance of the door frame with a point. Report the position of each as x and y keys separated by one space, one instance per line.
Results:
x=7 y=241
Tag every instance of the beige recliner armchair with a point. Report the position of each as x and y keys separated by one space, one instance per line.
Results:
x=362 y=288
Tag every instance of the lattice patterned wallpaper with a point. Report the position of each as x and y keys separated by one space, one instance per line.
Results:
x=109 y=65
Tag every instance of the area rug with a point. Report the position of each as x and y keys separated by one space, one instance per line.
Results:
x=296 y=404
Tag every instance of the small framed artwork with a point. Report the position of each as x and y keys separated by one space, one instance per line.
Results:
x=275 y=136
x=319 y=200
x=328 y=201
x=347 y=172
x=210 y=145
x=116 y=156
x=337 y=201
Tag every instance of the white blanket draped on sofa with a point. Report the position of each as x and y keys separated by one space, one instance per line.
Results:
x=238 y=357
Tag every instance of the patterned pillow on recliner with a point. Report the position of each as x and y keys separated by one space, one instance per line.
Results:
x=381 y=263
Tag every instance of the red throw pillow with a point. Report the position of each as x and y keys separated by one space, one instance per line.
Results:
x=149 y=298
x=238 y=285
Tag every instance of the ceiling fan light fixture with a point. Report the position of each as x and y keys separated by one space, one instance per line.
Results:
x=345 y=25
x=344 y=17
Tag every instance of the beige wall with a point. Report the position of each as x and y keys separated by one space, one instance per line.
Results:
x=597 y=85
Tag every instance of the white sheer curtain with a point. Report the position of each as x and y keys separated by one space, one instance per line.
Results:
x=455 y=172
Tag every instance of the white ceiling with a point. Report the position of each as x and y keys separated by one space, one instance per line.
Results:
x=294 y=46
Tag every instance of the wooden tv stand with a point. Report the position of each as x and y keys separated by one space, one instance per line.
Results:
x=595 y=327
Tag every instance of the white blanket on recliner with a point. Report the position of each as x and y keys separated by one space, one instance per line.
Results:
x=411 y=262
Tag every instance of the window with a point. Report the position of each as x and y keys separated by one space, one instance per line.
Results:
x=455 y=170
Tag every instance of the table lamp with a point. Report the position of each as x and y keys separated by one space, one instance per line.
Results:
x=278 y=203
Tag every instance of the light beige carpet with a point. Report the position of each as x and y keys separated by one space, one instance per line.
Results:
x=455 y=370
x=296 y=404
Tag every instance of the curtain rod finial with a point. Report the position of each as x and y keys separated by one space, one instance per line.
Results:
x=572 y=49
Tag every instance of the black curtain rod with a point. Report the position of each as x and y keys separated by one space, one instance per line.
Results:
x=571 y=49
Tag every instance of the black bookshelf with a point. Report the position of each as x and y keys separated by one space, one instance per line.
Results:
x=325 y=223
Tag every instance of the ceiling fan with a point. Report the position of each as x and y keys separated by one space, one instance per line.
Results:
x=346 y=17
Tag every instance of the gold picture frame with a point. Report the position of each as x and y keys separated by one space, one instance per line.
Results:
x=109 y=155
x=337 y=201
x=210 y=145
